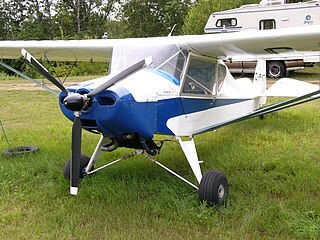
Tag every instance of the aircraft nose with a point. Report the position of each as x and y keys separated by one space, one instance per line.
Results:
x=115 y=112
x=107 y=99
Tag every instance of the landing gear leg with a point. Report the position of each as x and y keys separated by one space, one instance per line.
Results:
x=213 y=188
x=97 y=152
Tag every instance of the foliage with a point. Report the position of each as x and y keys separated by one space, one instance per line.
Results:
x=145 y=18
x=50 y=19
x=59 y=69
x=82 y=19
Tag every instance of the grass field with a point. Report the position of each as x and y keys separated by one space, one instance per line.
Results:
x=273 y=168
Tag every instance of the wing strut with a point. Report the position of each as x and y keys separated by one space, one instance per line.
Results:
x=28 y=78
x=190 y=152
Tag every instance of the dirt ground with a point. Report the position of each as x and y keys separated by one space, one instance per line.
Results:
x=27 y=86
x=32 y=86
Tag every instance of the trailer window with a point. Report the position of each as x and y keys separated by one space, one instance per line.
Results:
x=267 y=24
x=226 y=22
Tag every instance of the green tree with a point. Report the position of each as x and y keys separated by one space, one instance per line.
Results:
x=198 y=15
x=82 y=19
x=38 y=23
x=145 y=18
x=14 y=13
x=3 y=21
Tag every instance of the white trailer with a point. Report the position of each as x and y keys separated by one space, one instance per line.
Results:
x=268 y=14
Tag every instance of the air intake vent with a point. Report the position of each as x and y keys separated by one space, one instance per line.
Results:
x=106 y=101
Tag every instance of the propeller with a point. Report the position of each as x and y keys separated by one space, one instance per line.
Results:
x=43 y=71
x=76 y=153
x=76 y=102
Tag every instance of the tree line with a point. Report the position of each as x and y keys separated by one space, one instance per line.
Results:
x=78 y=19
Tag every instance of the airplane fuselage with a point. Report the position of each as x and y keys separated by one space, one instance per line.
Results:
x=150 y=102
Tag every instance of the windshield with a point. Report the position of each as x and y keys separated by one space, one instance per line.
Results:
x=168 y=58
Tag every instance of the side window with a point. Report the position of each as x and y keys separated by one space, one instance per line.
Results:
x=267 y=24
x=226 y=22
x=222 y=72
x=200 y=77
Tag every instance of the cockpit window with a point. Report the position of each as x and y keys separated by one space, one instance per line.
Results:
x=168 y=58
x=174 y=65
x=200 y=77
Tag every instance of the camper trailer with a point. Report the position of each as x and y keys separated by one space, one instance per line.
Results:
x=268 y=14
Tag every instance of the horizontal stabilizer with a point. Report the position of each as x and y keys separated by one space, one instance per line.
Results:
x=287 y=87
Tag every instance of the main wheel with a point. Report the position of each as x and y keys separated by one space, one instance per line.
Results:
x=84 y=160
x=276 y=69
x=213 y=188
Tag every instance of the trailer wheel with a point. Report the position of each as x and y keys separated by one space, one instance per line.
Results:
x=276 y=69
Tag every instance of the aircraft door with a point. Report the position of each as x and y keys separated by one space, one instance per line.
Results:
x=199 y=78
x=199 y=87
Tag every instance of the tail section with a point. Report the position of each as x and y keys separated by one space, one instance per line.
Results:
x=260 y=80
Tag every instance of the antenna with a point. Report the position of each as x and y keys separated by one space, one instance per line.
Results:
x=172 y=30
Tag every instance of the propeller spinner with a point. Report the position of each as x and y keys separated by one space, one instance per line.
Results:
x=76 y=102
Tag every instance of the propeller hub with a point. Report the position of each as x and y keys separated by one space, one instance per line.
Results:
x=76 y=102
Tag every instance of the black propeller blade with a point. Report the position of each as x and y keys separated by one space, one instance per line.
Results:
x=76 y=153
x=42 y=70
x=120 y=76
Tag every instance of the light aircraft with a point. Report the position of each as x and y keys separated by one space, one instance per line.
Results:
x=176 y=85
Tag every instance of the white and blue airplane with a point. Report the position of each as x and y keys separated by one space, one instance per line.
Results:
x=177 y=86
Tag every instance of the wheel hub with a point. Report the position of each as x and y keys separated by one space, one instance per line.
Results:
x=221 y=191
x=274 y=70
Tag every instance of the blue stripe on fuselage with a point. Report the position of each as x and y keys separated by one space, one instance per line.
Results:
x=166 y=75
x=127 y=115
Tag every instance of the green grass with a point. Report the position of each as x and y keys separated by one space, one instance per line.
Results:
x=308 y=73
x=273 y=168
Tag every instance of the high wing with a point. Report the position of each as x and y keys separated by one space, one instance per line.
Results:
x=60 y=50
x=258 y=44
x=252 y=44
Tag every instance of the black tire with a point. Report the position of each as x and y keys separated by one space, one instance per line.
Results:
x=276 y=69
x=262 y=116
x=213 y=188
x=84 y=160
x=15 y=151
